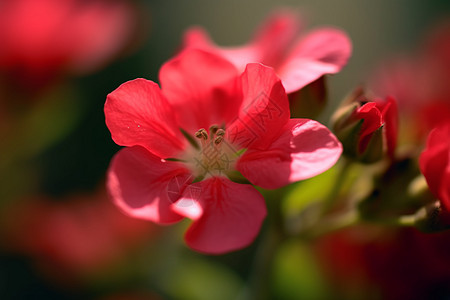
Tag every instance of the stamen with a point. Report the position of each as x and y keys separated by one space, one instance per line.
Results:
x=213 y=129
x=214 y=158
x=201 y=134
x=220 y=132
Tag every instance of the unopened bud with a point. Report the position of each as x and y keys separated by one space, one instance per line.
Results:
x=362 y=125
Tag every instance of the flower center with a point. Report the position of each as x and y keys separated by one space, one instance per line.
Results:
x=213 y=155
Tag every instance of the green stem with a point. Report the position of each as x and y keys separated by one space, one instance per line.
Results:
x=331 y=224
x=330 y=200
x=260 y=280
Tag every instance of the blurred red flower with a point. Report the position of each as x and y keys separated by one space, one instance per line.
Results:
x=421 y=84
x=386 y=263
x=73 y=236
x=434 y=164
x=249 y=131
x=297 y=62
x=44 y=38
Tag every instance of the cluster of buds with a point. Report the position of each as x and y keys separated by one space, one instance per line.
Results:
x=366 y=126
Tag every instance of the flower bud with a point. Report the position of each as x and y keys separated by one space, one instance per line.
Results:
x=367 y=128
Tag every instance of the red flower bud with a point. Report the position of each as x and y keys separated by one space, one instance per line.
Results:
x=367 y=128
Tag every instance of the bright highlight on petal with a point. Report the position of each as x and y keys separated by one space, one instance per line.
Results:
x=304 y=149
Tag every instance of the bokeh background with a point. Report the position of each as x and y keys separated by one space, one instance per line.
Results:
x=60 y=236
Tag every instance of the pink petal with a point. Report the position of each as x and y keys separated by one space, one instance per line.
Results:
x=264 y=111
x=323 y=51
x=268 y=45
x=230 y=219
x=197 y=38
x=275 y=36
x=304 y=149
x=202 y=88
x=100 y=30
x=138 y=114
x=144 y=186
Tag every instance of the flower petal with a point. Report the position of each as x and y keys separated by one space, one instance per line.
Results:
x=137 y=114
x=188 y=205
x=197 y=38
x=98 y=31
x=202 y=88
x=389 y=112
x=230 y=219
x=323 y=51
x=144 y=186
x=274 y=37
x=305 y=149
x=444 y=191
x=434 y=163
x=373 y=120
x=264 y=111
x=268 y=45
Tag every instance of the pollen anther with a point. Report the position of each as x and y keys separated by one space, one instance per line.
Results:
x=218 y=140
x=213 y=129
x=220 y=132
x=201 y=134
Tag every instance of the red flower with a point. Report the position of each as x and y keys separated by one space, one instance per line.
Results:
x=322 y=51
x=173 y=167
x=400 y=264
x=73 y=236
x=434 y=164
x=42 y=38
